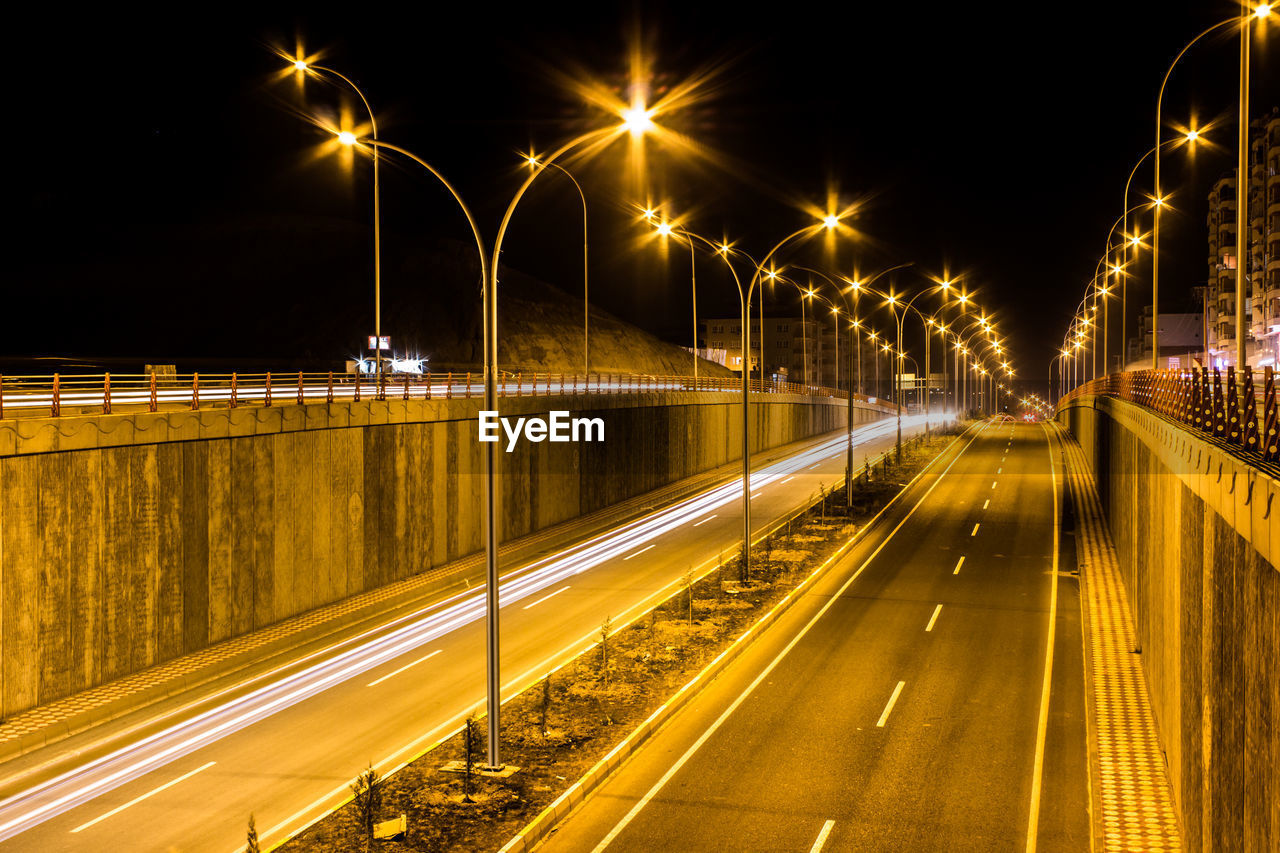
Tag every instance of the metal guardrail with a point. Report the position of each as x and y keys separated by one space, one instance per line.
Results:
x=1211 y=401
x=45 y=396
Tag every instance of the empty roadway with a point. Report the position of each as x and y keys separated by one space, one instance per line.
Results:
x=900 y=705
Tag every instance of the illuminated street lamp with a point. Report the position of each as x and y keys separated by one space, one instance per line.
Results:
x=1242 y=181
x=348 y=138
x=532 y=162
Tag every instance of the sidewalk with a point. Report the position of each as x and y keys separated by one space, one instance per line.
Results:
x=1132 y=799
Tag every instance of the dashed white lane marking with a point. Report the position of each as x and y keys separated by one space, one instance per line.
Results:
x=822 y=837
x=933 y=618
x=811 y=467
x=545 y=598
x=892 y=701
x=754 y=496
x=378 y=681
x=986 y=503
x=641 y=551
x=999 y=470
x=993 y=484
x=137 y=800
x=974 y=532
x=705 y=520
x=959 y=563
x=788 y=480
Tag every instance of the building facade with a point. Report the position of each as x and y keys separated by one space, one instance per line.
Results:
x=1263 y=264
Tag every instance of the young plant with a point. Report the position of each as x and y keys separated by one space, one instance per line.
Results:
x=367 y=791
x=251 y=839
x=604 y=651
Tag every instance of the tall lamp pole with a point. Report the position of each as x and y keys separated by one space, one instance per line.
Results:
x=302 y=67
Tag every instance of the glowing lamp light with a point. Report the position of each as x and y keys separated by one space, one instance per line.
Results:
x=1193 y=135
x=300 y=65
x=664 y=229
x=347 y=138
x=533 y=161
x=830 y=221
x=1261 y=11
x=637 y=120
x=648 y=213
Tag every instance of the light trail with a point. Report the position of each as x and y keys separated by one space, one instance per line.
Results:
x=380 y=646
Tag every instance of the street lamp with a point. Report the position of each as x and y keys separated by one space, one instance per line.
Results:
x=349 y=139
x=1242 y=180
x=664 y=229
x=532 y=162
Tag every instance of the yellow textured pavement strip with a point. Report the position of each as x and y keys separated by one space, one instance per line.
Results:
x=1130 y=781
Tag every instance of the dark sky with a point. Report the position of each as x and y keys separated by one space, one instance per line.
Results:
x=170 y=203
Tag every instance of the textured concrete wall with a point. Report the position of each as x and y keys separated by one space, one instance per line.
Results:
x=1197 y=531
x=128 y=540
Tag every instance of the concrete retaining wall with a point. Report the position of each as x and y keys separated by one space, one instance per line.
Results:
x=1197 y=531
x=128 y=540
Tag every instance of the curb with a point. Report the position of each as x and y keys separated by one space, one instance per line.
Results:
x=577 y=793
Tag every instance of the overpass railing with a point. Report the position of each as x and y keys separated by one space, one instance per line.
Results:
x=57 y=395
x=1239 y=408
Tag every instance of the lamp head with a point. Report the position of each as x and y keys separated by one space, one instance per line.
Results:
x=346 y=137
x=1262 y=10
x=637 y=120
x=664 y=228
x=299 y=65
x=830 y=221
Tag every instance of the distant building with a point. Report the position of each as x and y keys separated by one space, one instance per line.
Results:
x=1181 y=340
x=1263 y=268
x=787 y=341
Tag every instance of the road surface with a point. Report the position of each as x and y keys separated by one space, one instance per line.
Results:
x=287 y=749
x=902 y=705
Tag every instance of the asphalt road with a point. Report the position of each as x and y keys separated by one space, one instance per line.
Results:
x=287 y=750
x=902 y=705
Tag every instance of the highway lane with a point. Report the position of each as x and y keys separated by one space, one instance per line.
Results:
x=287 y=752
x=903 y=704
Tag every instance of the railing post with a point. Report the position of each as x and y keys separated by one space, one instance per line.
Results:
x=406 y=386
x=234 y=391
x=1249 y=411
x=1233 y=408
x=468 y=385
x=55 y=403
x=356 y=396
x=1271 y=416
x=382 y=386
x=300 y=397
x=1 y=396
x=266 y=394
x=426 y=394
x=328 y=391
x=448 y=386
x=152 y=404
x=106 y=393
x=1206 y=401
x=1219 y=407
x=195 y=391
x=519 y=390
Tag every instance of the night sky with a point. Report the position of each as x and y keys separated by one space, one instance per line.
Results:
x=171 y=205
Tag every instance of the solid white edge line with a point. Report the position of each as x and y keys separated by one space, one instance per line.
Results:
x=959 y=563
x=705 y=520
x=638 y=553
x=822 y=837
x=888 y=709
x=545 y=598
x=933 y=618
x=139 y=799
x=378 y=681
x=706 y=735
x=1033 y=820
